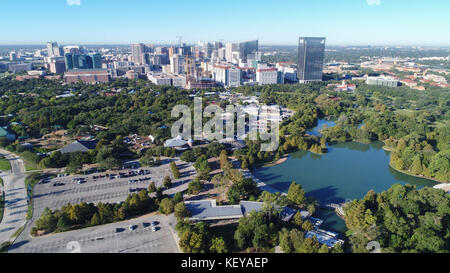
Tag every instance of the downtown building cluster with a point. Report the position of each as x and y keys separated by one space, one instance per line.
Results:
x=203 y=65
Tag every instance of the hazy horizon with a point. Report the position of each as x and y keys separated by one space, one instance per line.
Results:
x=349 y=22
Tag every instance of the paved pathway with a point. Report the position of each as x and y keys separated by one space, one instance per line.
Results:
x=14 y=215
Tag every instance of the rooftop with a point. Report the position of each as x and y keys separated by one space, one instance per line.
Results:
x=208 y=210
x=79 y=146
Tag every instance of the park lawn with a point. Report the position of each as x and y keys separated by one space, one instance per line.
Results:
x=406 y=112
x=30 y=168
x=4 y=164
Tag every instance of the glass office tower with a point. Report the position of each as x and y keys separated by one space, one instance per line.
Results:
x=247 y=48
x=311 y=52
x=83 y=61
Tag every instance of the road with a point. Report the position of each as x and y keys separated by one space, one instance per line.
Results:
x=15 y=211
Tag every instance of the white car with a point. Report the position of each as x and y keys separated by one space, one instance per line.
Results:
x=132 y=227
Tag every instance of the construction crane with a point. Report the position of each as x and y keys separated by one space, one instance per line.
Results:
x=189 y=62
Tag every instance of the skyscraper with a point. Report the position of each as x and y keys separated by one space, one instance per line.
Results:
x=138 y=53
x=53 y=50
x=177 y=63
x=83 y=61
x=247 y=48
x=229 y=49
x=311 y=52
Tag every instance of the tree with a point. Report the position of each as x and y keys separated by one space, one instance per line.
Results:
x=188 y=156
x=285 y=241
x=324 y=249
x=62 y=224
x=181 y=211
x=244 y=164
x=297 y=219
x=178 y=197
x=308 y=245
x=195 y=186
x=307 y=226
x=152 y=187
x=296 y=194
x=261 y=237
x=167 y=182
x=337 y=248
x=218 y=245
x=175 y=171
x=274 y=203
x=95 y=220
x=402 y=219
x=166 y=206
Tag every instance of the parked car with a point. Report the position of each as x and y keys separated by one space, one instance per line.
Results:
x=132 y=227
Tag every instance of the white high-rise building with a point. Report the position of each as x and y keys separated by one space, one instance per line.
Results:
x=229 y=49
x=221 y=53
x=177 y=64
x=227 y=76
x=138 y=53
x=53 y=50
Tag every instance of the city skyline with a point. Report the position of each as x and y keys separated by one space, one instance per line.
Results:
x=353 y=22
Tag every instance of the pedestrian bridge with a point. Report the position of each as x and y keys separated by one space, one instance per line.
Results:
x=338 y=207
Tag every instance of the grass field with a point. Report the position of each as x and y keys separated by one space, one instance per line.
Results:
x=406 y=112
x=30 y=168
x=4 y=164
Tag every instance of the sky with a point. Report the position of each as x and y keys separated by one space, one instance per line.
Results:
x=273 y=22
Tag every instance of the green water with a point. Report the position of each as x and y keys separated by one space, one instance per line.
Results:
x=348 y=171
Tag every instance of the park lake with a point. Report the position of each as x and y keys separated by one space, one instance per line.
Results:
x=348 y=171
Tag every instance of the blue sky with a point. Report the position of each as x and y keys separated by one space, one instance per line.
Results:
x=356 y=22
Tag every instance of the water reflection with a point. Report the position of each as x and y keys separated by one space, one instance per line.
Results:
x=348 y=171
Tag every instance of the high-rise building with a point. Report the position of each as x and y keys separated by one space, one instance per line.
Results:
x=221 y=53
x=311 y=52
x=12 y=56
x=247 y=48
x=171 y=51
x=53 y=50
x=138 y=54
x=177 y=64
x=227 y=76
x=83 y=61
x=229 y=49
x=217 y=45
x=72 y=49
x=57 y=66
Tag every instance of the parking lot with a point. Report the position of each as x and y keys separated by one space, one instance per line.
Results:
x=59 y=191
x=110 y=238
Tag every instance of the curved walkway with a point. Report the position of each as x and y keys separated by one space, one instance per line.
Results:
x=14 y=216
x=261 y=185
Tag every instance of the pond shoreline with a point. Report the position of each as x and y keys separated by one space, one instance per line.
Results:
x=279 y=161
x=418 y=176
x=408 y=172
